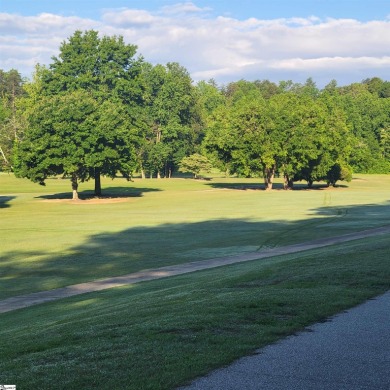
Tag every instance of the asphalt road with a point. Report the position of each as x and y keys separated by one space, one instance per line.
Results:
x=351 y=351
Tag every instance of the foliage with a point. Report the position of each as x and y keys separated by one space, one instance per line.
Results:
x=171 y=116
x=195 y=164
x=72 y=135
x=368 y=116
x=11 y=90
x=257 y=128
x=300 y=135
x=82 y=122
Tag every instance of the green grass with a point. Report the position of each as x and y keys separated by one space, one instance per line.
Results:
x=161 y=334
x=48 y=243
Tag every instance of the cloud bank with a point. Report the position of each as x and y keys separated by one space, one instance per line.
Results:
x=223 y=48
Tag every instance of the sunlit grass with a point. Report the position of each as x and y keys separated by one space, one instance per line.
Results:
x=161 y=334
x=48 y=241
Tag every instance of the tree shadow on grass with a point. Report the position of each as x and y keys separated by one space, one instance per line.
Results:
x=111 y=192
x=237 y=186
x=4 y=201
x=276 y=186
x=144 y=247
x=78 y=341
x=316 y=186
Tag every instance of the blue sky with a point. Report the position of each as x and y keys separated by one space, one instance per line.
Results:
x=362 y=10
x=346 y=40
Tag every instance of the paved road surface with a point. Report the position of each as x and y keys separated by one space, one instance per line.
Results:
x=349 y=352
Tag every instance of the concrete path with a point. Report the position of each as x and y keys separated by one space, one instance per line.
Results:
x=23 y=301
x=349 y=352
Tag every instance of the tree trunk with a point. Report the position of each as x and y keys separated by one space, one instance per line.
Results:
x=168 y=171
x=288 y=182
x=5 y=158
x=141 y=168
x=269 y=174
x=75 y=186
x=158 y=134
x=98 y=185
x=158 y=175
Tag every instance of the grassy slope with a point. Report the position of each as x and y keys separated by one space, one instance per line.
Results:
x=46 y=243
x=160 y=334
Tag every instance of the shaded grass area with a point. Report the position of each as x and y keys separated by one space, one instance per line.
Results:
x=161 y=334
x=4 y=201
x=138 y=248
x=47 y=243
x=111 y=192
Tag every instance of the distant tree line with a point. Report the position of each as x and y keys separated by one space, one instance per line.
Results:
x=99 y=109
x=297 y=130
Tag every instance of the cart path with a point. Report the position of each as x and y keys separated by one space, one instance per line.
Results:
x=22 y=301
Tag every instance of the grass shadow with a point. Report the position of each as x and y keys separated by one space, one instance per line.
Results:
x=4 y=201
x=111 y=192
x=237 y=186
x=276 y=186
x=193 y=324
x=316 y=187
x=143 y=247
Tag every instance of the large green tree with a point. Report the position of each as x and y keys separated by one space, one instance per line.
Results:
x=98 y=133
x=295 y=132
x=242 y=135
x=219 y=140
x=172 y=118
x=195 y=164
x=73 y=135
x=210 y=98
x=298 y=126
x=11 y=90
x=331 y=140
x=368 y=118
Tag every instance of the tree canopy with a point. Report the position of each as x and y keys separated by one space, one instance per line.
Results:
x=171 y=113
x=81 y=123
x=195 y=164
x=99 y=109
x=11 y=89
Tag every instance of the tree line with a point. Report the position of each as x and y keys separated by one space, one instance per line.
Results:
x=100 y=109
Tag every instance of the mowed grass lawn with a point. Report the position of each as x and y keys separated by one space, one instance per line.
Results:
x=48 y=241
x=161 y=334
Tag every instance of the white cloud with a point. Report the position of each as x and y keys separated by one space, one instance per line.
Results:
x=183 y=8
x=223 y=48
x=129 y=18
x=336 y=63
x=42 y=24
x=27 y=41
